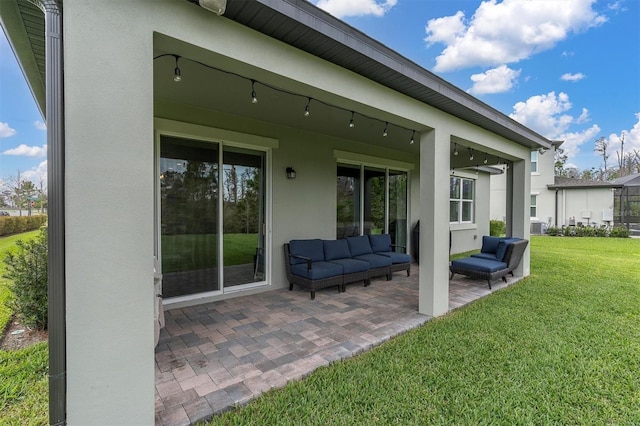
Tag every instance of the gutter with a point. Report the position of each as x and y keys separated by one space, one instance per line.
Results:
x=56 y=228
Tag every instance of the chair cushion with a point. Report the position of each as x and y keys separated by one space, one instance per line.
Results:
x=375 y=260
x=336 y=249
x=380 y=243
x=502 y=247
x=359 y=245
x=318 y=271
x=488 y=256
x=477 y=264
x=490 y=244
x=313 y=249
x=351 y=266
x=396 y=258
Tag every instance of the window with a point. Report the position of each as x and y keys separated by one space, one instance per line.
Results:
x=534 y=161
x=534 y=206
x=461 y=195
x=371 y=200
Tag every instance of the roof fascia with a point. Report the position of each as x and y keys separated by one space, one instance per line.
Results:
x=13 y=26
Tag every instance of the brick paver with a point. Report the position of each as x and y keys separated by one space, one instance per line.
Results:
x=215 y=356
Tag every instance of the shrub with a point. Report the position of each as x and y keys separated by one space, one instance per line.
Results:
x=553 y=231
x=619 y=232
x=497 y=228
x=16 y=224
x=27 y=272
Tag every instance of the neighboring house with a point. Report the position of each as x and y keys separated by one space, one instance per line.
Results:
x=557 y=201
x=580 y=202
x=179 y=134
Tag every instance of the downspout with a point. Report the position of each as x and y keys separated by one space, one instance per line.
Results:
x=55 y=165
x=556 y=215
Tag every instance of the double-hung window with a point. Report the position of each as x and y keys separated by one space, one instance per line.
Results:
x=534 y=207
x=461 y=199
x=534 y=161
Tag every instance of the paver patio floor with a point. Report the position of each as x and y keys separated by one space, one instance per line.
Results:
x=215 y=356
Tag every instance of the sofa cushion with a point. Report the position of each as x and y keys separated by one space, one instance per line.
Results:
x=396 y=258
x=380 y=243
x=488 y=256
x=313 y=249
x=359 y=245
x=352 y=266
x=336 y=249
x=318 y=271
x=375 y=260
x=490 y=244
x=476 y=264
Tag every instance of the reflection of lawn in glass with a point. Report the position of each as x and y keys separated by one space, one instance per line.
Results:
x=199 y=251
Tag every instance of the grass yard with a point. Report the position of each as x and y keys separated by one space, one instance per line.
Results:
x=560 y=347
x=23 y=374
x=200 y=251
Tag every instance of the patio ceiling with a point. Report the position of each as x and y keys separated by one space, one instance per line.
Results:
x=304 y=26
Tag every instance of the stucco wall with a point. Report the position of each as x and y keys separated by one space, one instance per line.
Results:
x=576 y=203
x=108 y=53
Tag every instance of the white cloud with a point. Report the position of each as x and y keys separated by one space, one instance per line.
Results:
x=6 y=131
x=546 y=114
x=40 y=125
x=572 y=77
x=37 y=174
x=631 y=140
x=28 y=151
x=344 y=8
x=507 y=32
x=496 y=80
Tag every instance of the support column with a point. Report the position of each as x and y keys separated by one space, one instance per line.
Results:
x=518 y=210
x=434 y=223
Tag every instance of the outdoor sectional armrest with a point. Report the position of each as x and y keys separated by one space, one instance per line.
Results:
x=305 y=258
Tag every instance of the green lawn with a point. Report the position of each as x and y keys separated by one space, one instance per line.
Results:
x=560 y=347
x=199 y=251
x=23 y=374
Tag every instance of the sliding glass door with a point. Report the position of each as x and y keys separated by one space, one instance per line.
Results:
x=371 y=200
x=244 y=218
x=188 y=216
x=212 y=218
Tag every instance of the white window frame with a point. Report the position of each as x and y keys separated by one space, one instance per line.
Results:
x=460 y=200
x=532 y=205
x=535 y=162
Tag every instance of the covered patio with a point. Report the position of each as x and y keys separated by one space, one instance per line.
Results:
x=215 y=356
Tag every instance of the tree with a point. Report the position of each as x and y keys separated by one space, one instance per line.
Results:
x=601 y=147
x=560 y=160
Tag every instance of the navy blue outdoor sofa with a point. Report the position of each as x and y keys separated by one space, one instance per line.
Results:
x=315 y=264
x=497 y=258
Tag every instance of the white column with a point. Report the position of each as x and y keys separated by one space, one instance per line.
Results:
x=519 y=174
x=434 y=223
x=109 y=212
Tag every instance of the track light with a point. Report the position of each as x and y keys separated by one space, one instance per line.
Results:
x=455 y=149
x=307 y=109
x=384 y=132
x=254 y=98
x=177 y=77
x=351 y=123
x=413 y=134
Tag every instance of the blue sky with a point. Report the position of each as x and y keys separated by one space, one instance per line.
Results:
x=568 y=69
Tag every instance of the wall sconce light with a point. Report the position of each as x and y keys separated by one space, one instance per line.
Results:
x=291 y=174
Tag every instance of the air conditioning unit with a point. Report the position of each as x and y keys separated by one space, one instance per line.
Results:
x=536 y=228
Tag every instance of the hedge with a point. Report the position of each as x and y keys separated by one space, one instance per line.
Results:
x=17 y=224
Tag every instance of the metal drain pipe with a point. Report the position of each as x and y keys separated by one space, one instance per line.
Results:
x=55 y=168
